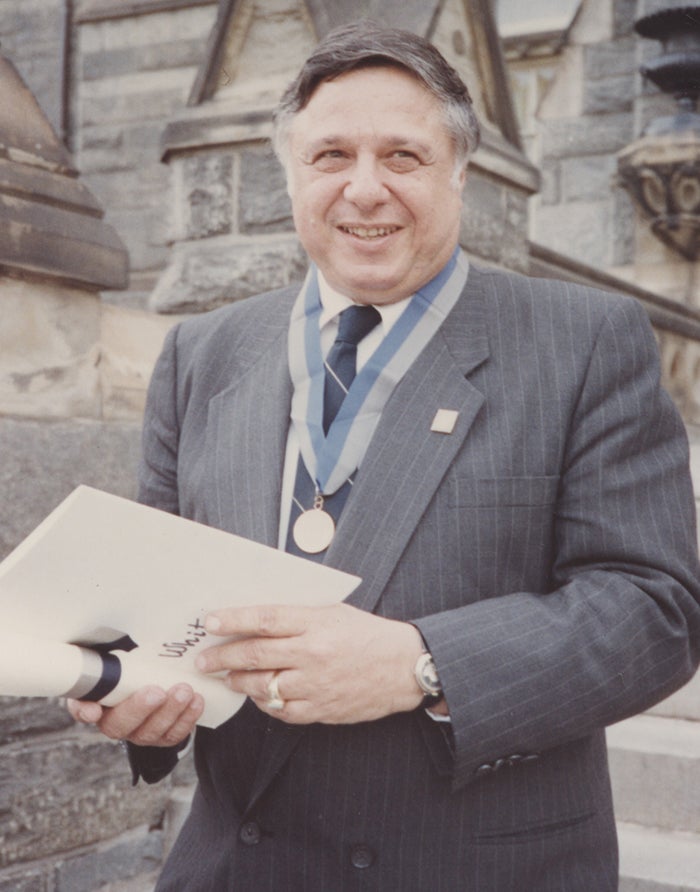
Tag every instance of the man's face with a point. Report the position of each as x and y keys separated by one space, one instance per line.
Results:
x=371 y=176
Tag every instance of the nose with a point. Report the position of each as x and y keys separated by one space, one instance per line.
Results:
x=365 y=187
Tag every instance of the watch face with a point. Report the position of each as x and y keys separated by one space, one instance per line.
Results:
x=427 y=676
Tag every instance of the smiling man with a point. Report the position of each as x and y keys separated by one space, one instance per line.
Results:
x=491 y=454
x=376 y=183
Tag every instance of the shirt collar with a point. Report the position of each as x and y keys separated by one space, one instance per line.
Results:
x=333 y=303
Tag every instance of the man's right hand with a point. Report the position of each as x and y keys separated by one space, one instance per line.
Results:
x=150 y=717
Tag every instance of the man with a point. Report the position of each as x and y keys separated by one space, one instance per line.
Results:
x=505 y=476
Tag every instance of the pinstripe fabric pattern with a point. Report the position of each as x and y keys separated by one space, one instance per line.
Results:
x=545 y=548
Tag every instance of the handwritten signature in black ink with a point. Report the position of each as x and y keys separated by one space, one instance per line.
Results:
x=194 y=635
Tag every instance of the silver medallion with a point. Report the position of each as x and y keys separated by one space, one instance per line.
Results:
x=313 y=531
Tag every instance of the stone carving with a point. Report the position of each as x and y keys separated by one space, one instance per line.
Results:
x=662 y=170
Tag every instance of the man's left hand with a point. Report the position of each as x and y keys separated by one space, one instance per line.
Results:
x=332 y=664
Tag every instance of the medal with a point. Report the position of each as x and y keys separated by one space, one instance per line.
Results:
x=314 y=529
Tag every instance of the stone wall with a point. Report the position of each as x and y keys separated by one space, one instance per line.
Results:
x=130 y=75
x=73 y=373
x=580 y=114
x=581 y=101
x=33 y=34
x=77 y=824
x=72 y=382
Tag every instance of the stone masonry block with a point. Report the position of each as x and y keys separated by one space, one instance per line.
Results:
x=610 y=59
x=26 y=879
x=22 y=717
x=652 y=104
x=550 y=188
x=264 y=202
x=130 y=344
x=158 y=56
x=145 y=882
x=103 y=159
x=165 y=27
x=482 y=216
x=16 y=19
x=588 y=178
x=579 y=229
x=624 y=224
x=31 y=35
x=142 y=142
x=48 y=351
x=624 y=15
x=42 y=462
x=572 y=137
x=207 y=186
x=514 y=246
x=685 y=703
x=131 y=189
x=609 y=95
x=658 y=861
x=655 y=770
x=110 y=139
x=58 y=793
x=133 y=148
x=143 y=232
x=120 y=108
x=211 y=275
x=494 y=222
x=133 y=854
x=648 y=7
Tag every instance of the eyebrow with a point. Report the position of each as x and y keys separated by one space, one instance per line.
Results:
x=394 y=141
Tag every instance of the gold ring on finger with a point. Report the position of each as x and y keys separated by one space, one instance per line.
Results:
x=274 y=701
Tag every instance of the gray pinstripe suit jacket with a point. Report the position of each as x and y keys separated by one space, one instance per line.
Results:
x=546 y=549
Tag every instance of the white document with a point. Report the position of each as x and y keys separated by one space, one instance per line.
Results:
x=101 y=568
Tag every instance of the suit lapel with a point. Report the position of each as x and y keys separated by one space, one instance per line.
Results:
x=401 y=471
x=406 y=460
x=246 y=437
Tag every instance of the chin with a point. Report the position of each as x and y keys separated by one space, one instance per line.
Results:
x=372 y=289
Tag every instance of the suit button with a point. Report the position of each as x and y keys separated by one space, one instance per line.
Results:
x=484 y=769
x=250 y=833
x=361 y=856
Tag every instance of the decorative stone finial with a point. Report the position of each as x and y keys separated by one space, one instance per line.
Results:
x=50 y=224
x=662 y=169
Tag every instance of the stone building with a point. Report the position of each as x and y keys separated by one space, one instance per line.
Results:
x=137 y=185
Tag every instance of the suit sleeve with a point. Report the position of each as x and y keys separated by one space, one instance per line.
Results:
x=161 y=433
x=158 y=488
x=620 y=628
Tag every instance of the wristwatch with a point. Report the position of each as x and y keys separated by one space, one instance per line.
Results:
x=428 y=681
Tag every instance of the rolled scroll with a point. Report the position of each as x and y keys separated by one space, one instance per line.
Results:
x=35 y=667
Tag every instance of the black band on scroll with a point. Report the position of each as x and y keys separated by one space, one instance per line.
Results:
x=109 y=679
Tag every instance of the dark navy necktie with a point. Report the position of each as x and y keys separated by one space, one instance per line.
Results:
x=354 y=323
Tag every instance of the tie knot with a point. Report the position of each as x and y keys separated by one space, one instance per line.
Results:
x=356 y=322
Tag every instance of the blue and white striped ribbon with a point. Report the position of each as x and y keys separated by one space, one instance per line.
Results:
x=331 y=459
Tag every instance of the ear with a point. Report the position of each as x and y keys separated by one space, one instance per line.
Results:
x=459 y=177
x=286 y=163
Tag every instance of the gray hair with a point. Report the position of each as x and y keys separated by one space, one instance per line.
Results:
x=365 y=44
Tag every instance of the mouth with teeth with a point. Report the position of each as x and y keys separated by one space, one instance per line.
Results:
x=369 y=232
